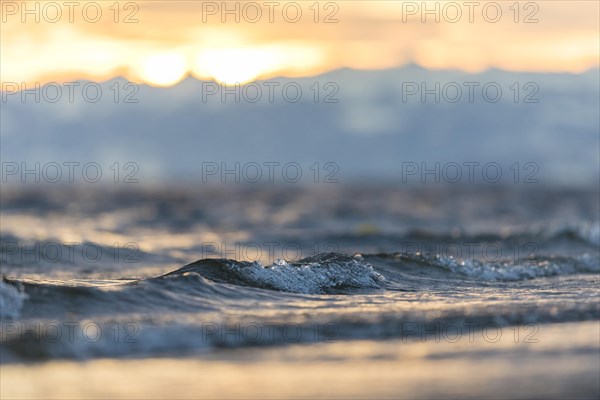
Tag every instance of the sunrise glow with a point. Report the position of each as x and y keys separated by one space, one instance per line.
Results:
x=146 y=45
x=241 y=65
x=163 y=69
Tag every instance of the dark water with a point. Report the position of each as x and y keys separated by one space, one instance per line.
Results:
x=112 y=273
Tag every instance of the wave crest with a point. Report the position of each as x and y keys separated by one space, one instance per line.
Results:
x=322 y=274
x=538 y=267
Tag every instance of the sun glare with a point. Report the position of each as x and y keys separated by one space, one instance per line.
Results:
x=163 y=69
x=235 y=65
x=243 y=64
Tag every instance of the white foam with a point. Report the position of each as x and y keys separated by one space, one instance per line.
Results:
x=585 y=263
x=312 y=277
x=590 y=233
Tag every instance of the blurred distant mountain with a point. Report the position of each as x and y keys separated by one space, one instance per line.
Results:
x=372 y=122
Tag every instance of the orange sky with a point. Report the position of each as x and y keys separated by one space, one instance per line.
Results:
x=163 y=41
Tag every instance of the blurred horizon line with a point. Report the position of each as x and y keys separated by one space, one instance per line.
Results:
x=407 y=66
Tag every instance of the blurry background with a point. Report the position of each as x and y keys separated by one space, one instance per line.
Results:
x=368 y=87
